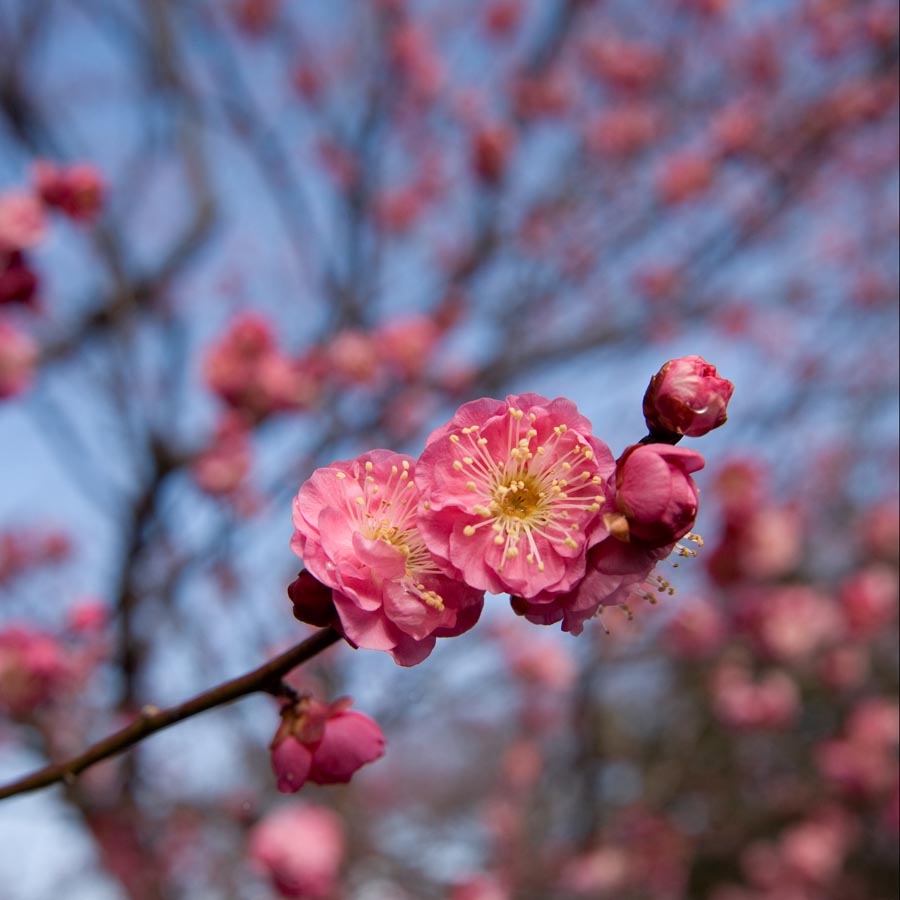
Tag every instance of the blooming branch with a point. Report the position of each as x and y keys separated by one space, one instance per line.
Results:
x=266 y=678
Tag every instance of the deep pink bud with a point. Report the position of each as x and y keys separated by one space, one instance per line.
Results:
x=321 y=743
x=313 y=603
x=655 y=492
x=687 y=397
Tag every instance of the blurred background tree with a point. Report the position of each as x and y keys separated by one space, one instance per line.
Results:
x=241 y=240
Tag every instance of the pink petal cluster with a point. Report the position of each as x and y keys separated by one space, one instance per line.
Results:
x=22 y=221
x=325 y=744
x=688 y=397
x=18 y=358
x=34 y=668
x=300 y=850
x=357 y=532
x=513 y=493
x=248 y=371
x=513 y=497
x=77 y=191
x=222 y=467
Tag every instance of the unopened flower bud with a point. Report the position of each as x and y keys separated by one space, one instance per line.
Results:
x=655 y=492
x=686 y=397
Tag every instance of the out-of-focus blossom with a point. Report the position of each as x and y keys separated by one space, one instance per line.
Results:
x=417 y=61
x=255 y=17
x=300 y=850
x=602 y=873
x=18 y=282
x=481 y=887
x=687 y=397
x=789 y=623
x=684 y=176
x=325 y=744
x=18 y=358
x=354 y=356
x=623 y=131
x=655 y=492
x=628 y=65
x=502 y=17
x=223 y=466
x=34 y=670
x=246 y=369
x=77 y=190
x=407 y=344
x=492 y=147
x=357 y=532
x=512 y=493
x=89 y=616
x=769 y=701
x=22 y=221
x=869 y=600
x=698 y=630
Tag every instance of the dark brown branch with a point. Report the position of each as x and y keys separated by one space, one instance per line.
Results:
x=266 y=678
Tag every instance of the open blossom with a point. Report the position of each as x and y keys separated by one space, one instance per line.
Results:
x=325 y=744
x=655 y=492
x=513 y=493
x=688 y=397
x=300 y=849
x=357 y=533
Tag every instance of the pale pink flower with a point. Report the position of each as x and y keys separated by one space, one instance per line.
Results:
x=789 y=623
x=325 y=744
x=222 y=467
x=513 y=493
x=868 y=599
x=770 y=701
x=300 y=849
x=698 y=630
x=684 y=176
x=357 y=533
x=34 y=669
x=688 y=397
x=407 y=344
x=655 y=492
x=18 y=358
x=22 y=221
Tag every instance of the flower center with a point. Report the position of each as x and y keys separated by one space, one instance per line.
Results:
x=387 y=512
x=535 y=493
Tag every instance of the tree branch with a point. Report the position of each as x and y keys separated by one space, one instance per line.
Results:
x=265 y=678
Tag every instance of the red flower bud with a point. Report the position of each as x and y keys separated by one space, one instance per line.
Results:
x=688 y=397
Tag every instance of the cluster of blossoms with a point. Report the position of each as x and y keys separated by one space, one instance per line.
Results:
x=515 y=497
x=77 y=192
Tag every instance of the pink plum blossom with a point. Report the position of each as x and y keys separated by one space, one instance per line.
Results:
x=18 y=357
x=300 y=849
x=322 y=743
x=770 y=701
x=688 y=397
x=513 y=493
x=616 y=572
x=655 y=492
x=18 y=281
x=34 y=668
x=357 y=533
x=221 y=468
x=77 y=190
x=22 y=221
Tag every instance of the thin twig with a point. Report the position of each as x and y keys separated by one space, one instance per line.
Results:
x=266 y=677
